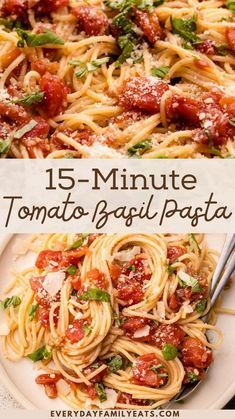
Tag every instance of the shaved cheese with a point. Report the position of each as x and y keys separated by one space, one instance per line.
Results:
x=128 y=254
x=63 y=387
x=144 y=331
x=98 y=150
x=161 y=309
x=53 y=282
x=4 y=328
x=111 y=399
x=186 y=309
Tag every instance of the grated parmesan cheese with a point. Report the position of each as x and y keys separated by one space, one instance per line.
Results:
x=144 y=331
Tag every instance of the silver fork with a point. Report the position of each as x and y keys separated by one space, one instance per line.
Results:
x=223 y=271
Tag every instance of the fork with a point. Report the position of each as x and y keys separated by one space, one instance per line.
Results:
x=223 y=271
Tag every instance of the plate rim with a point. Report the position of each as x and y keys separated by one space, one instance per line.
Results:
x=24 y=402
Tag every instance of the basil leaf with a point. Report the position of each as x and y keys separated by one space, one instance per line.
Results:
x=72 y=270
x=186 y=280
x=101 y=392
x=148 y=4
x=160 y=72
x=116 y=318
x=4 y=146
x=28 y=100
x=38 y=39
x=79 y=242
x=231 y=5
x=120 y=4
x=216 y=152
x=122 y=22
x=155 y=368
x=193 y=243
x=170 y=269
x=26 y=128
x=10 y=301
x=95 y=294
x=201 y=306
x=41 y=353
x=32 y=311
x=127 y=44
x=192 y=377
x=187 y=45
x=115 y=363
x=86 y=329
x=222 y=50
x=88 y=67
x=140 y=148
x=185 y=28
x=7 y=23
x=169 y=351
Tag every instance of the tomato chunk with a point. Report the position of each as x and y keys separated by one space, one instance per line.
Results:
x=51 y=390
x=98 y=377
x=143 y=373
x=47 y=257
x=180 y=108
x=48 y=6
x=149 y=24
x=55 y=98
x=97 y=278
x=41 y=130
x=14 y=7
x=134 y=323
x=125 y=398
x=143 y=94
x=174 y=252
x=91 y=20
x=48 y=378
x=230 y=36
x=13 y=113
x=206 y=47
x=195 y=354
x=192 y=375
x=91 y=391
x=44 y=65
x=168 y=333
x=75 y=331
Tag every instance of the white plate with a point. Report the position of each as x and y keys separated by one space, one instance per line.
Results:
x=214 y=392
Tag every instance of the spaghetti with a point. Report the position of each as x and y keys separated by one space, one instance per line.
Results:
x=119 y=78
x=113 y=320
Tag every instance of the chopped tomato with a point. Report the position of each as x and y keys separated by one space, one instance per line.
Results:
x=230 y=36
x=55 y=98
x=131 y=292
x=48 y=6
x=202 y=64
x=125 y=398
x=91 y=391
x=44 y=65
x=75 y=332
x=180 y=108
x=115 y=271
x=85 y=137
x=14 y=7
x=43 y=316
x=51 y=390
x=8 y=57
x=48 y=378
x=47 y=257
x=13 y=113
x=91 y=20
x=75 y=282
x=97 y=278
x=206 y=47
x=174 y=252
x=195 y=354
x=228 y=104
x=71 y=257
x=98 y=377
x=149 y=24
x=168 y=333
x=41 y=130
x=143 y=373
x=137 y=269
x=36 y=283
x=131 y=324
x=143 y=94
x=173 y=302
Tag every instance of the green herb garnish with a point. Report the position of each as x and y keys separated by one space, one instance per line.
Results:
x=85 y=68
x=192 y=377
x=87 y=329
x=13 y=301
x=79 y=242
x=116 y=318
x=155 y=368
x=140 y=148
x=95 y=294
x=72 y=270
x=32 y=311
x=185 y=28
x=4 y=146
x=186 y=280
x=193 y=243
x=41 y=353
x=26 y=128
x=115 y=363
x=169 y=351
x=160 y=72
x=28 y=100
x=37 y=40
x=231 y=5
x=201 y=306
x=101 y=392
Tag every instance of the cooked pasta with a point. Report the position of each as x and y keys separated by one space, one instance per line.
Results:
x=114 y=321
x=116 y=79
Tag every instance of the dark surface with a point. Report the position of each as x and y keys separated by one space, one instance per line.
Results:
x=231 y=404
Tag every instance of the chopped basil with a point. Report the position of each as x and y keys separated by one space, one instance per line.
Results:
x=161 y=157
x=186 y=280
x=79 y=242
x=187 y=45
x=115 y=363
x=28 y=100
x=192 y=377
x=140 y=148
x=222 y=50
x=32 y=311
x=101 y=392
x=95 y=294
x=201 y=306
x=36 y=40
x=4 y=146
x=155 y=368
x=116 y=318
x=169 y=351
x=216 y=152
x=72 y=270
x=148 y=4
x=232 y=121
x=185 y=28
x=7 y=23
x=231 y=5
x=86 y=329
x=26 y=128
x=13 y=301
x=128 y=4
x=41 y=353
x=131 y=268
x=122 y=22
x=170 y=269
x=88 y=67
x=193 y=243
x=160 y=72
x=127 y=44
x=95 y=366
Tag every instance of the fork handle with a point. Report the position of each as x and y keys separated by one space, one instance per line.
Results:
x=229 y=269
x=228 y=247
